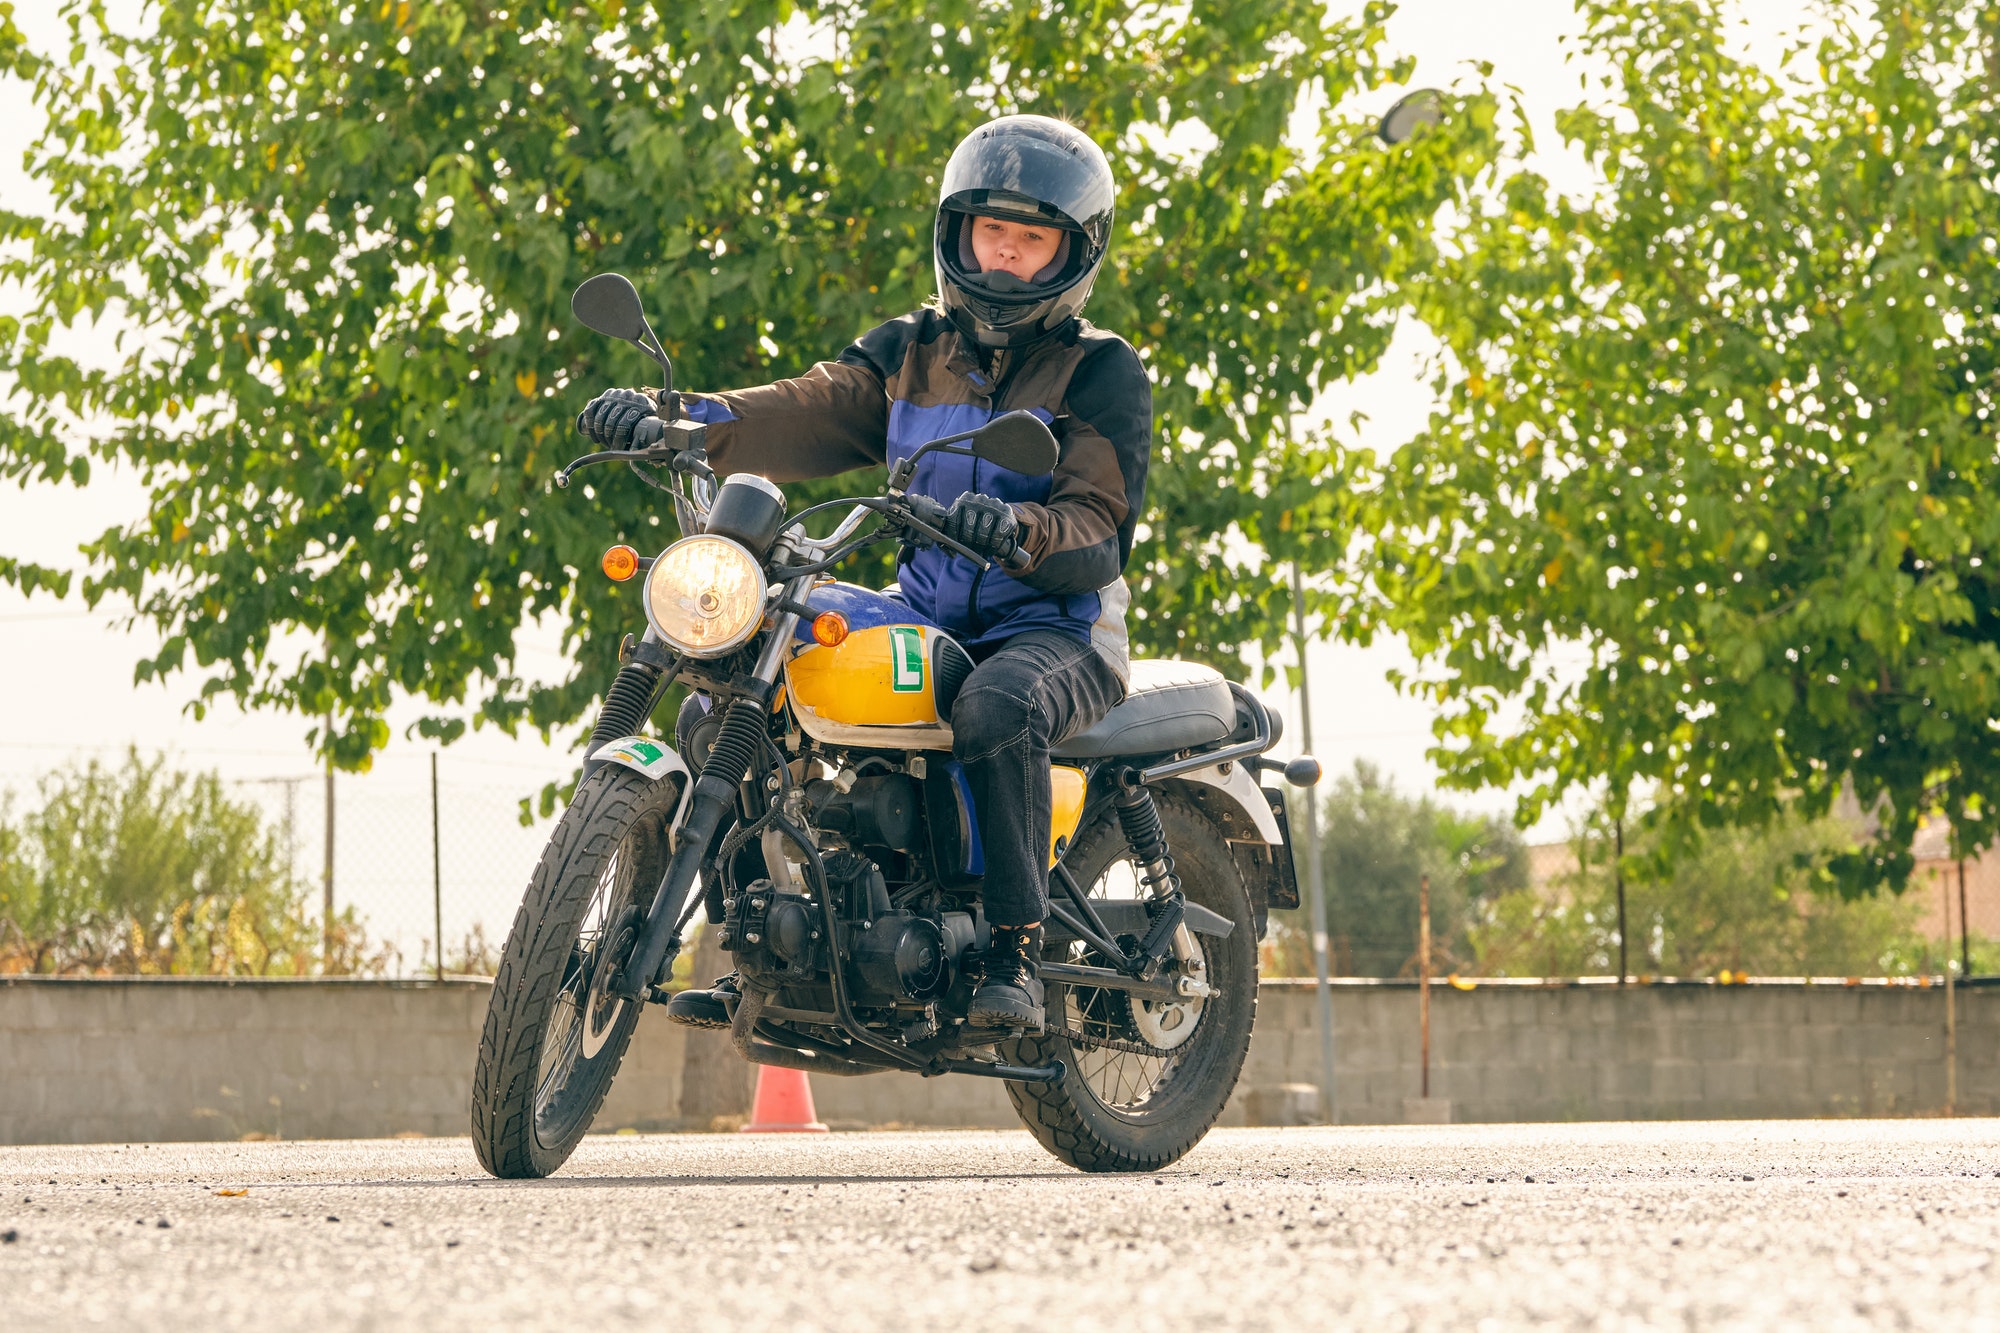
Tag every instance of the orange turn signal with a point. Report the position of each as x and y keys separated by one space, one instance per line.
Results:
x=620 y=563
x=829 y=629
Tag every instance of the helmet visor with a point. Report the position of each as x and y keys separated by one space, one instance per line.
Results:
x=1007 y=171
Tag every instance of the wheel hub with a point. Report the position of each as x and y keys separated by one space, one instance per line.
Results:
x=1166 y=1024
x=602 y=1009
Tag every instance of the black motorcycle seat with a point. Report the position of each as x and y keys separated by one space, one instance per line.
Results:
x=1168 y=706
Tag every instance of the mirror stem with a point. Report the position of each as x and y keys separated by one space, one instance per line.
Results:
x=650 y=345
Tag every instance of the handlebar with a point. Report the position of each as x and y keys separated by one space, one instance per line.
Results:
x=678 y=443
x=904 y=514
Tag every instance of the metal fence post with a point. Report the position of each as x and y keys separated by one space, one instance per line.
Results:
x=1964 y=926
x=326 y=902
x=1950 y=1008
x=1618 y=877
x=1424 y=979
x=437 y=869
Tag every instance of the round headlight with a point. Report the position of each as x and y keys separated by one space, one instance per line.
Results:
x=705 y=595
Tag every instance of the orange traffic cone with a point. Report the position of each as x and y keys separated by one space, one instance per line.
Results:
x=784 y=1103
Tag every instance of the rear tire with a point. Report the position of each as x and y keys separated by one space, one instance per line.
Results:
x=1091 y=1120
x=552 y=1042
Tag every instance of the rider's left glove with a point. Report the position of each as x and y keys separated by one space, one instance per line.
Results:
x=984 y=524
x=609 y=419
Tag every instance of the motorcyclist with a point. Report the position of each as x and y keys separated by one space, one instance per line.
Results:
x=1023 y=222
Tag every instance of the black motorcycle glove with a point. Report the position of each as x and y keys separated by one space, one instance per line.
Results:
x=609 y=419
x=984 y=524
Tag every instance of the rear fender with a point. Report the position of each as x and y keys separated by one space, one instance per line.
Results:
x=1234 y=800
x=1250 y=816
x=651 y=760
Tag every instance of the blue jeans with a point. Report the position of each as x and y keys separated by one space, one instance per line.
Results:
x=1035 y=690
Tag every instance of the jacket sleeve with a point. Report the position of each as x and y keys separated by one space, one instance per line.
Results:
x=832 y=419
x=1080 y=540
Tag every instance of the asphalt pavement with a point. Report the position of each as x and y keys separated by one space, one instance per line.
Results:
x=1713 y=1225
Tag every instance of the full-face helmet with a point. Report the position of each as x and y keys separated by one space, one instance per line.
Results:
x=1028 y=169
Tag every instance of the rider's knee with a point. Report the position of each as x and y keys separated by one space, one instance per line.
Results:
x=985 y=719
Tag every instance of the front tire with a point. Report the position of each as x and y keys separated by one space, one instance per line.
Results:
x=553 y=1038
x=1122 y=1111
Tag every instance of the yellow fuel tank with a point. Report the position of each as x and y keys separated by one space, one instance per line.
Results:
x=1065 y=808
x=884 y=684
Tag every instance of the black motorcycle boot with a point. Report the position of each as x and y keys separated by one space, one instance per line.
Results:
x=711 y=1008
x=1010 y=996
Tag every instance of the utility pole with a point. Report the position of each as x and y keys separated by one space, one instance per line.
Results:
x=1323 y=989
x=437 y=869
x=326 y=902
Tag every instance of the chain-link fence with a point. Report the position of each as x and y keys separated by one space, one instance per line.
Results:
x=415 y=860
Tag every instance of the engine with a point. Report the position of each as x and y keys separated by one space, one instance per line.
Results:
x=896 y=957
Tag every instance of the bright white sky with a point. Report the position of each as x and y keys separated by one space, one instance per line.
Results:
x=68 y=673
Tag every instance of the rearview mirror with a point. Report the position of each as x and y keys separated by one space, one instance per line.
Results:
x=609 y=304
x=1018 y=441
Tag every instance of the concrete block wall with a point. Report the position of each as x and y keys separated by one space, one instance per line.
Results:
x=1570 y=1051
x=168 y=1060
x=161 y=1059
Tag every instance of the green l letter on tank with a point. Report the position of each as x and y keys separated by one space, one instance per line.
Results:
x=906 y=658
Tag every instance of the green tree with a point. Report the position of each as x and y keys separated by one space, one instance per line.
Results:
x=341 y=234
x=1708 y=500
x=1376 y=844
x=148 y=869
x=1758 y=901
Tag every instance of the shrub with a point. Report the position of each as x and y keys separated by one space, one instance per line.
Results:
x=145 y=869
x=1747 y=901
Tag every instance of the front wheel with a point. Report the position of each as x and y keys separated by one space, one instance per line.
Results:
x=1144 y=1081
x=554 y=1036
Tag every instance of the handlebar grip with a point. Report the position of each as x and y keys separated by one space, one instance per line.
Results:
x=926 y=509
x=648 y=433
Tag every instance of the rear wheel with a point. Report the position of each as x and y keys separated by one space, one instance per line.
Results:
x=554 y=1036
x=1143 y=1082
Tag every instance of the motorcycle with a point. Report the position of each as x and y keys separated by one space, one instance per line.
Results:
x=809 y=806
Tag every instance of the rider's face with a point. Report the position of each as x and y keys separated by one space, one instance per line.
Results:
x=1020 y=248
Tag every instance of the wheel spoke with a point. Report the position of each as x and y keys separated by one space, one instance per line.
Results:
x=565 y=1057
x=569 y=1016
x=1122 y=1080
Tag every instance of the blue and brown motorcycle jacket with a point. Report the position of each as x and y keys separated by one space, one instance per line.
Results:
x=913 y=380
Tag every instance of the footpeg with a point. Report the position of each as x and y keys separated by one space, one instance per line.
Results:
x=713 y=1008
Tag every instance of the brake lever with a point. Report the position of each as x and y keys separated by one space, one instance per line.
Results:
x=694 y=462
x=656 y=454
x=678 y=443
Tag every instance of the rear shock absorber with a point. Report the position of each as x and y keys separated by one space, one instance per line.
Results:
x=1139 y=817
x=1147 y=837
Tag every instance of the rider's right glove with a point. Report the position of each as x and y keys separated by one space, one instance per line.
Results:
x=984 y=524
x=609 y=419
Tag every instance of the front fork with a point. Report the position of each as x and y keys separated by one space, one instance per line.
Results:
x=738 y=744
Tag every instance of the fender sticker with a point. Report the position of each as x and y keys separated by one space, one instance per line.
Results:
x=648 y=757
